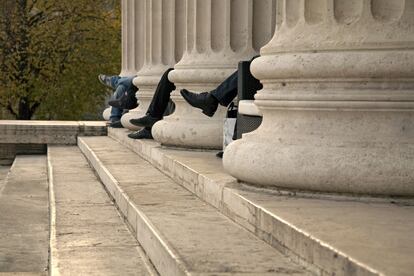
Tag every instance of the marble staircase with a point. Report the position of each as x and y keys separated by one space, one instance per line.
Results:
x=324 y=232
x=110 y=205
x=182 y=234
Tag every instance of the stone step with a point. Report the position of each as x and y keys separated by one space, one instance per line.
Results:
x=333 y=234
x=24 y=218
x=4 y=170
x=181 y=234
x=88 y=236
x=48 y=132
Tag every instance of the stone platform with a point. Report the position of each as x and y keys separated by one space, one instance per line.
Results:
x=31 y=137
x=331 y=233
x=48 y=132
x=180 y=213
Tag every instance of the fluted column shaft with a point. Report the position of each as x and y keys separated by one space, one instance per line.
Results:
x=129 y=64
x=131 y=60
x=162 y=46
x=219 y=34
x=337 y=102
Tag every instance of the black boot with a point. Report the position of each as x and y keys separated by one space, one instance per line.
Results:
x=146 y=121
x=144 y=133
x=115 y=124
x=205 y=101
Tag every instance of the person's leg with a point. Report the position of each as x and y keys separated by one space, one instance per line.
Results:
x=109 y=81
x=144 y=133
x=159 y=103
x=161 y=96
x=227 y=90
x=125 y=94
x=116 y=113
x=114 y=81
x=119 y=91
x=126 y=82
x=209 y=101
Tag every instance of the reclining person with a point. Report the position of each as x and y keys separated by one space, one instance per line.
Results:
x=161 y=102
x=208 y=102
x=122 y=98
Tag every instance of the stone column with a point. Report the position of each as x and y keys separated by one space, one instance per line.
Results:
x=132 y=37
x=219 y=34
x=162 y=44
x=337 y=102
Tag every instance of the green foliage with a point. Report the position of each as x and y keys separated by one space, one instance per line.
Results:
x=51 y=52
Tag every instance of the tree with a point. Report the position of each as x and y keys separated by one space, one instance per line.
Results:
x=51 y=52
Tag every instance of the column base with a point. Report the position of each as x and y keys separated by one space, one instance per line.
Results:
x=132 y=114
x=145 y=96
x=106 y=114
x=187 y=127
x=356 y=152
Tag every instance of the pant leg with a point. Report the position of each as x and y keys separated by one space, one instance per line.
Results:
x=116 y=113
x=227 y=90
x=161 y=96
x=119 y=91
x=126 y=82
x=114 y=81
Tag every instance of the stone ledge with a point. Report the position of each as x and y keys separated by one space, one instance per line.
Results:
x=24 y=214
x=88 y=236
x=179 y=231
x=337 y=235
x=48 y=132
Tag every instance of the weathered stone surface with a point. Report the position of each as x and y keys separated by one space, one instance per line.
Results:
x=335 y=234
x=88 y=235
x=7 y=154
x=180 y=233
x=4 y=170
x=47 y=132
x=24 y=217
x=160 y=22
x=337 y=101
x=218 y=35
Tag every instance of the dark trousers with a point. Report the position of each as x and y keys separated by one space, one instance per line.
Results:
x=227 y=90
x=161 y=102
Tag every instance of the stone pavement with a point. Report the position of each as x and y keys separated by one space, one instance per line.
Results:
x=88 y=237
x=180 y=213
x=196 y=238
x=24 y=217
x=336 y=233
x=4 y=170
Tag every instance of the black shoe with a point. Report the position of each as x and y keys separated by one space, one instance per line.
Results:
x=146 y=121
x=141 y=134
x=115 y=124
x=119 y=103
x=205 y=101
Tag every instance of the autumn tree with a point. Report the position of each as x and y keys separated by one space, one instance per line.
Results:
x=51 y=52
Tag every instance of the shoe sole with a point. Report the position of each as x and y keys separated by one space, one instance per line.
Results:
x=208 y=113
